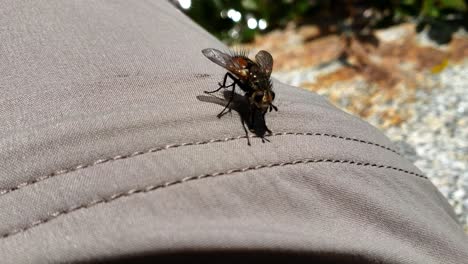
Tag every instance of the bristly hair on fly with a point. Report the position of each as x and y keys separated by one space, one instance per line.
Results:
x=237 y=51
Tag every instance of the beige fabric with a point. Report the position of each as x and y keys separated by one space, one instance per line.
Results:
x=106 y=152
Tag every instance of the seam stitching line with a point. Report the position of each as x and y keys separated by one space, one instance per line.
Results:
x=157 y=149
x=191 y=178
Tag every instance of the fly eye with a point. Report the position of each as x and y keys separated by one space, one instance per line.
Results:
x=258 y=97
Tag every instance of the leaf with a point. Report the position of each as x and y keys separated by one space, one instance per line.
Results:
x=250 y=5
x=429 y=9
x=454 y=4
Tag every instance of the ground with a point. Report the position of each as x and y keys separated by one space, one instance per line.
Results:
x=412 y=89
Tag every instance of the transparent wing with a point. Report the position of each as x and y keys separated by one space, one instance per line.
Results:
x=222 y=59
x=265 y=61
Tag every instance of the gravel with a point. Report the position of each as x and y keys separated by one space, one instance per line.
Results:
x=435 y=138
x=434 y=135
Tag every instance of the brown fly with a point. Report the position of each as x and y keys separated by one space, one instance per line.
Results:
x=252 y=77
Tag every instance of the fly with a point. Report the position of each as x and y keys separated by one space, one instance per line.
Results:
x=252 y=77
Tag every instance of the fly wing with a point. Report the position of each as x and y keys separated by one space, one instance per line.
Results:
x=222 y=59
x=265 y=61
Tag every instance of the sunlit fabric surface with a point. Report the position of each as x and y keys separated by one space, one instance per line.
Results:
x=107 y=153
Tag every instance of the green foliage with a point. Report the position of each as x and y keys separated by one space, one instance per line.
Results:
x=216 y=17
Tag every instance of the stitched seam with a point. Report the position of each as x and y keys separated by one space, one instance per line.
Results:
x=157 y=149
x=192 y=178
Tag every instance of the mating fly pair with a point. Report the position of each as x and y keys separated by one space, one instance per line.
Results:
x=252 y=77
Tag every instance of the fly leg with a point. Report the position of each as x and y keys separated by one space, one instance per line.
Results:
x=223 y=85
x=252 y=119
x=246 y=132
x=254 y=127
x=268 y=130
x=230 y=100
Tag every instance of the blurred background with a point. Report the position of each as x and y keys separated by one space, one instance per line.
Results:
x=400 y=65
